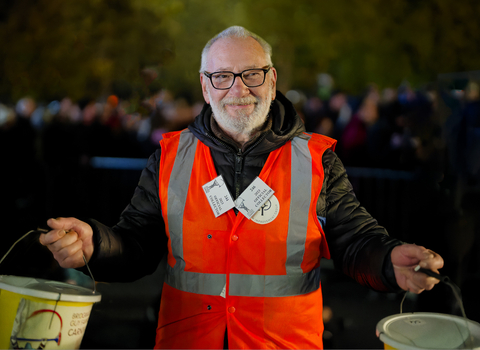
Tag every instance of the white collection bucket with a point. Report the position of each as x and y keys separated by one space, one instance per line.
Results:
x=37 y=313
x=425 y=330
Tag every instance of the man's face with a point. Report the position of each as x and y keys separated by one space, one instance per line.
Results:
x=239 y=109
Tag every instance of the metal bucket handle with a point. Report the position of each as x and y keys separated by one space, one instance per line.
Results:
x=41 y=230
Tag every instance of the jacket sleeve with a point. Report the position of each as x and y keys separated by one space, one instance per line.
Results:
x=133 y=247
x=358 y=245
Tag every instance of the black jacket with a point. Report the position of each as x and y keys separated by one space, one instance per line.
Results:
x=358 y=245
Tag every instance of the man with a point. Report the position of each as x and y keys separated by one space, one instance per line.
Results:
x=251 y=281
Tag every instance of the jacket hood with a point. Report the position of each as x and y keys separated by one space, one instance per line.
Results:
x=286 y=124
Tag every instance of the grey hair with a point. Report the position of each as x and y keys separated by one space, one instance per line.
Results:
x=236 y=32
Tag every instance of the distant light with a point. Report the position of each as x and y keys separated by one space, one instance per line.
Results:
x=458 y=93
x=53 y=107
x=294 y=96
x=325 y=80
x=118 y=163
x=376 y=173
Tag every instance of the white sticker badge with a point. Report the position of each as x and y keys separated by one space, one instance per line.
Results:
x=218 y=196
x=252 y=199
x=267 y=212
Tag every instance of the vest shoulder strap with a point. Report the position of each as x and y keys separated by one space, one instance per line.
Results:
x=171 y=134
x=320 y=140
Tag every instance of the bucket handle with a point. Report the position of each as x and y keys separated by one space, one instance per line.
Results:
x=41 y=230
x=456 y=291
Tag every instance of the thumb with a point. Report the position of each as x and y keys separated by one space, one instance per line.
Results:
x=60 y=223
x=409 y=254
x=419 y=252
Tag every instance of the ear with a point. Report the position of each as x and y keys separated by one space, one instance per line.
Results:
x=274 y=82
x=204 y=82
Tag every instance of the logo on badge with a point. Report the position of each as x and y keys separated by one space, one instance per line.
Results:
x=267 y=212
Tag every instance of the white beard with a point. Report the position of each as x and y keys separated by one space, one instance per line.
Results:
x=242 y=123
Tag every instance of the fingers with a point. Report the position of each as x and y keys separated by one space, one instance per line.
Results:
x=69 y=240
x=52 y=236
x=59 y=227
x=406 y=258
x=412 y=255
x=419 y=282
x=60 y=223
x=66 y=247
x=66 y=239
x=431 y=261
x=67 y=224
x=68 y=251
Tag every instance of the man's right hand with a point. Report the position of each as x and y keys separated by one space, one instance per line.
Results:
x=69 y=240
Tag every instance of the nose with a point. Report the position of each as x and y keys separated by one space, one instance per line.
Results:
x=238 y=88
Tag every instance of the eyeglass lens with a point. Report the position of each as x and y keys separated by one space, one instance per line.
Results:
x=251 y=78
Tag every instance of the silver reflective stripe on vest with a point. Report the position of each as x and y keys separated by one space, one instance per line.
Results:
x=295 y=282
x=177 y=277
x=301 y=192
x=195 y=282
x=274 y=286
x=177 y=194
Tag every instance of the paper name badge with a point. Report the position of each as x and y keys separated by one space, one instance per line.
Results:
x=218 y=196
x=253 y=197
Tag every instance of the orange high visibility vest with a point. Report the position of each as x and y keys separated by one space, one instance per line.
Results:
x=260 y=281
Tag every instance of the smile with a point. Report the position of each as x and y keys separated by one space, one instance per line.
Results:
x=241 y=106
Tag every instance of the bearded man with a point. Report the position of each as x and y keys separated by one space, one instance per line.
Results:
x=245 y=204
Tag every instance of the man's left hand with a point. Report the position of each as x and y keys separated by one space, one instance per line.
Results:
x=405 y=258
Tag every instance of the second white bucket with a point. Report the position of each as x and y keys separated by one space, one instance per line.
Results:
x=428 y=330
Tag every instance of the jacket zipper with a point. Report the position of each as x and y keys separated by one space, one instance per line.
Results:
x=238 y=171
x=239 y=155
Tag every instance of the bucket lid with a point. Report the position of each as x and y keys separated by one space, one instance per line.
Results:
x=425 y=330
x=47 y=289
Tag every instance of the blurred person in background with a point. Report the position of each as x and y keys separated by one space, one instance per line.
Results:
x=18 y=140
x=354 y=134
x=463 y=184
x=22 y=186
x=237 y=277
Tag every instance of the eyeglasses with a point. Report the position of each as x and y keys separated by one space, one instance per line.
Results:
x=224 y=80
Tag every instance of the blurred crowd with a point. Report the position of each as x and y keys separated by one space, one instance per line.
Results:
x=390 y=128
x=86 y=128
x=395 y=128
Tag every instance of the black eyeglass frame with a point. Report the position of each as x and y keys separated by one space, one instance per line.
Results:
x=235 y=75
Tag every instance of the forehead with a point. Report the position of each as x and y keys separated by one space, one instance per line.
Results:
x=235 y=54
